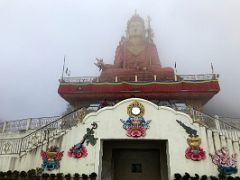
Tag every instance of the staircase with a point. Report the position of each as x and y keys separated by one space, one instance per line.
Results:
x=17 y=145
x=21 y=145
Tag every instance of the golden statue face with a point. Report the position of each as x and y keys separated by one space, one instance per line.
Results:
x=136 y=28
x=194 y=142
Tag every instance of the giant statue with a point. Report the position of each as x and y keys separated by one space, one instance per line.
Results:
x=136 y=56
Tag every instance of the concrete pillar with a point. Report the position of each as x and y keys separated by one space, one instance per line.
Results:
x=4 y=127
x=236 y=149
x=175 y=77
x=155 y=77
x=203 y=136
x=216 y=140
x=29 y=121
x=223 y=141
x=230 y=145
x=136 y=78
x=116 y=79
x=195 y=76
x=217 y=124
x=210 y=141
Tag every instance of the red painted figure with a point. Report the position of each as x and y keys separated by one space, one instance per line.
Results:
x=136 y=55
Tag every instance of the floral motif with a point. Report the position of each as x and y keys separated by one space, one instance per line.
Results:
x=133 y=131
x=51 y=158
x=136 y=126
x=77 y=151
x=195 y=155
x=227 y=164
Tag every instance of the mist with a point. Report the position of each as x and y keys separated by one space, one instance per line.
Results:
x=35 y=36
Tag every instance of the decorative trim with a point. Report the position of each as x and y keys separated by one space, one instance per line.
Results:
x=135 y=125
x=139 y=83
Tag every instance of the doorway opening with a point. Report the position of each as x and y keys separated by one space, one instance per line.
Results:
x=134 y=160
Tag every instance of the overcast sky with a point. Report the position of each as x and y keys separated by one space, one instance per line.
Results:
x=36 y=34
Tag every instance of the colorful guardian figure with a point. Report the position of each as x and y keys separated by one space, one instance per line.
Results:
x=135 y=125
x=51 y=158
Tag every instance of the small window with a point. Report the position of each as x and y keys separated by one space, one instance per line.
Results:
x=136 y=168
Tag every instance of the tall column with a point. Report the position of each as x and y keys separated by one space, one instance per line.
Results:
x=216 y=139
x=223 y=141
x=4 y=127
x=210 y=141
x=203 y=136
x=29 y=121
x=230 y=145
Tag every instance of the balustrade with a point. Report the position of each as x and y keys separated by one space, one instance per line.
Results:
x=91 y=79
x=42 y=135
x=58 y=127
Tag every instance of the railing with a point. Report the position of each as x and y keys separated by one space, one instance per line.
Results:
x=215 y=124
x=59 y=126
x=83 y=79
x=14 y=126
x=1 y=127
x=36 y=123
x=199 y=77
x=24 y=125
x=56 y=128
x=91 y=79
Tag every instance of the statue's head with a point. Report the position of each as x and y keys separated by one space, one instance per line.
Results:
x=136 y=27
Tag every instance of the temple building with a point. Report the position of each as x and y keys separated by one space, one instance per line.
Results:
x=136 y=120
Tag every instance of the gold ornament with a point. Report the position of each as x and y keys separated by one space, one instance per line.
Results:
x=135 y=109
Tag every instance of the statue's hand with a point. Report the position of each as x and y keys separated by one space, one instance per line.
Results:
x=99 y=63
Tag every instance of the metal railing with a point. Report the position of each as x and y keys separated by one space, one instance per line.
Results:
x=1 y=127
x=214 y=123
x=199 y=77
x=17 y=125
x=36 y=123
x=23 y=125
x=42 y=135
x=82 y=79
x=91 y=79
x=59 y=126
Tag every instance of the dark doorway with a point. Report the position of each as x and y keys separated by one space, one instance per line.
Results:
x=134 y=160
x=136 y=164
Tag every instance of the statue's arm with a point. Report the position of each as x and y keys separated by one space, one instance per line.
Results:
x=118 y=62
x=154 y=56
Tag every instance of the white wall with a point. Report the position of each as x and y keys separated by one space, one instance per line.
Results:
x=162 y=127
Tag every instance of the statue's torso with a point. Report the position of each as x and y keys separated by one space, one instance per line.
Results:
x=139 y=57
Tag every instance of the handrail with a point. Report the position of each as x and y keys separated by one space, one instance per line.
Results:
x=23 y=125
x=65 y=115
x=216 y=124
x=58 y=127
x=40 y=136
x=181 y=77
x=198 y=77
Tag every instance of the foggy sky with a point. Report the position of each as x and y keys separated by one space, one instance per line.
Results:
x=35 y=35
